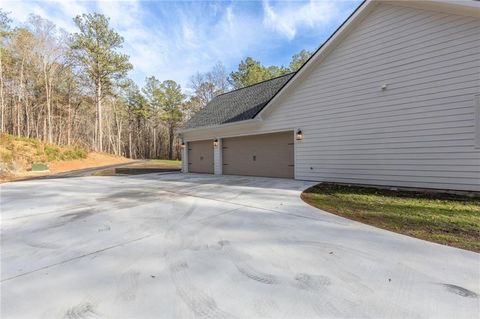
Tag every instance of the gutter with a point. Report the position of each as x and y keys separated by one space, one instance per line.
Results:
x=226 y=125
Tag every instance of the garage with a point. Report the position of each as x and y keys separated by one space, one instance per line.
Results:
x=200 y=156
x=269 y=155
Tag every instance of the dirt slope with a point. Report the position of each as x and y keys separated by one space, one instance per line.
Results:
x=17 y=154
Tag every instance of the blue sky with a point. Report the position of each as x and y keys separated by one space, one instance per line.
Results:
x=174 y=39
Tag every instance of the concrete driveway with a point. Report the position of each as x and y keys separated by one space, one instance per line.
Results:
x=190 y=246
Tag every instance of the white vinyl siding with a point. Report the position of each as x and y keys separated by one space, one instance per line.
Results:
x=419 y=132
x=477 y=121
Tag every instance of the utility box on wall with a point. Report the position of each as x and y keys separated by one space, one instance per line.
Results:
x=39 y=167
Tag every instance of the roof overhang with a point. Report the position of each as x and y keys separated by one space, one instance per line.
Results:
x=221 y=126
x=460 y=7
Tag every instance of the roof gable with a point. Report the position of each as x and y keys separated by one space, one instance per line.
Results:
x=256 y=101
x=467 y=7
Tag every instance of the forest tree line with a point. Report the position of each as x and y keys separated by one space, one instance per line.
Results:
x=73 y=89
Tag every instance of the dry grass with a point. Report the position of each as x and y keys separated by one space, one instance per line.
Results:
x=17 y=154
x=93 y=160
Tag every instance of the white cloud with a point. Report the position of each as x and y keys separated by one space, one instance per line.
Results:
x=189 y=42
x=287 y=17
x=65 y=12
x=59 y=12
x=173 y=40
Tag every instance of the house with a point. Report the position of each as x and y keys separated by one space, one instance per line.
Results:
x=391 y=98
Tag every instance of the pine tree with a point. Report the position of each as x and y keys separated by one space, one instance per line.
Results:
x=95 y=47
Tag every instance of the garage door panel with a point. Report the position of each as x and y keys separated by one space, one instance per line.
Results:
x=200 y=157
x=270 y=155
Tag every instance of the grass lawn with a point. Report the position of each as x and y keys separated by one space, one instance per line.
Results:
x=164 y=163
x=451 y=220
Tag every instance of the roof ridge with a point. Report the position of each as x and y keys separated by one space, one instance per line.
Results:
x=246 y=87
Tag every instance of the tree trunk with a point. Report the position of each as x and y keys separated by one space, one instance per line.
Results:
x=69 y=122
x=119 y=140
x=48 y=84
x=18 y=118
x=2 y=99
x=59 y=131
x=99 y=115
x=44 y=128
x=130 y=144
x=118 y=124
x=170 y=140
x=154 y=155
x=37 y=133
x=27 y=121
x=21 y=95
x=177 y=148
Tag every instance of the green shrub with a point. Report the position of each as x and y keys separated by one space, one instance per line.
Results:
x=81 y=153
x=52 y=152
x=76 y=153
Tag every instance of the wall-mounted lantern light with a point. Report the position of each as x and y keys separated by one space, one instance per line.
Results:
x=183 y=144
x=299 y=135
x=215 y=142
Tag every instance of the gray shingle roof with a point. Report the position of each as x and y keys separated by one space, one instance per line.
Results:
x=238 y=105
